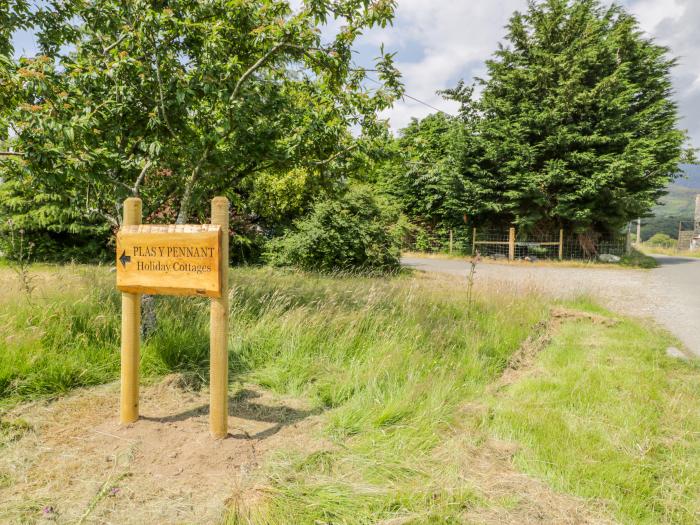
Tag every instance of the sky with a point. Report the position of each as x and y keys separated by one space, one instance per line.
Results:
x=439 y=42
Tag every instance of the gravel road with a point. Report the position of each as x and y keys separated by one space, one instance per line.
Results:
x=669 y=294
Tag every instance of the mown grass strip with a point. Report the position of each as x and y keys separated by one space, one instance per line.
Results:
x=606 y=415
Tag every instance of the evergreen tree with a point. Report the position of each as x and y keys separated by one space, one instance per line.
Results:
x=431 y=163
x=578 y=126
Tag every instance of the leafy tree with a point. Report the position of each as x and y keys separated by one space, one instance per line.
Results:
x=578 y=126
x=425 y=169
x=356 y=231
x=13 y=15
x=182 y=100
x=425 y=174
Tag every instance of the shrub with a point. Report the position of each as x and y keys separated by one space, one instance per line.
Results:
x=356 y=231
x=662 y=239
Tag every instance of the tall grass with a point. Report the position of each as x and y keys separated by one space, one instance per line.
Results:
x=388 y=359
x=650 y=249
x=391 y=363
x=67 y=336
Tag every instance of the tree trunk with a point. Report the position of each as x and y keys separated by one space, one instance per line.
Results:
x=184 y=213
x=588 y=241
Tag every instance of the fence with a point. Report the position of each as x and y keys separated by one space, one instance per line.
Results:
x=511 y=244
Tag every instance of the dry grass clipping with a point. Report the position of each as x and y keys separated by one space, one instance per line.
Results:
x=79 y=466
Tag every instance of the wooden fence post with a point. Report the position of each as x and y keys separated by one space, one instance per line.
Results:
x=561 y=244
x=131 y=325
x=450 y=241
x=511 y=244
x=218 y=331
x=473 y=241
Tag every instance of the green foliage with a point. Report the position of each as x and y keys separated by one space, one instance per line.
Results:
x=180 y=102
x=355 y=231
x=662 y=239
x=424 y=175
x=579 y=127
x=575 y=127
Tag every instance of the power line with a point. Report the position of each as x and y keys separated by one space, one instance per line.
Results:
x=406 y=95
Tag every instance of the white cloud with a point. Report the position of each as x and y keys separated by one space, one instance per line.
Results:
x=650 y=13
x=440 y=41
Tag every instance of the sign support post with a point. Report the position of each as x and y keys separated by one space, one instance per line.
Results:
x=174 y=259
x=131 y=323
x=218 y=331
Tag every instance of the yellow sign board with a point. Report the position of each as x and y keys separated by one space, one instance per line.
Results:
x=170 y=259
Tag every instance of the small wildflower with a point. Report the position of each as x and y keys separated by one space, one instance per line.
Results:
x=114 y=491
x=48 y=510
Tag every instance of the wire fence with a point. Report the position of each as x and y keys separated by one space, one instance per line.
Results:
x=513 y=245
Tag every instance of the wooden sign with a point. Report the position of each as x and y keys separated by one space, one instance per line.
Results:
x=174 y=260
x=170 y=259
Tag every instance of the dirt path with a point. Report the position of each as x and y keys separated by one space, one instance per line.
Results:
x=74 y=463
x=669 y=294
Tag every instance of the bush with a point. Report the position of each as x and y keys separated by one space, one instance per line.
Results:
x=662 y=239
x=356 y=231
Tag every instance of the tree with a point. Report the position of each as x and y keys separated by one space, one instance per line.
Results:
x=182 y=100
x=13 y=16
x=578 y=127
x=424 y=176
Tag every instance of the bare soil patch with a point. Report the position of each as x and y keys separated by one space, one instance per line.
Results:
x=78 y=465
x=517 y=497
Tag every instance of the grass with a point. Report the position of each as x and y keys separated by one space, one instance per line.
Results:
x=405 y=374
x=636 y=259
x=660 y=250
x=606 y=415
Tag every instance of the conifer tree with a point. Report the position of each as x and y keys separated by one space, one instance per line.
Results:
x=579 y=128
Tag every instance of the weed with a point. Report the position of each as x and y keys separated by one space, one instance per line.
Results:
x=20 y=258
x=473 y=261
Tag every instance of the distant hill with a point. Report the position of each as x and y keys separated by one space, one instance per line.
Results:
x=678 y=205
x=692 y=177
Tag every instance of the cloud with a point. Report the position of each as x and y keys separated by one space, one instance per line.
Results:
x=439 y=42
x=673 y=23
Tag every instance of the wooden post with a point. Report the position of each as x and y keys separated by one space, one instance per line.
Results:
x=511 y=244
x=628 y=242
x=218 y=332
x=473 y=241
x=450 y=241
x=561 y=244
x=639 y=231
x=131 y=324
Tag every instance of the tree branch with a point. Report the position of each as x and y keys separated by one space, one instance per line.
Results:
x=114 y=44
x=252 y=69
x=11 y=154
x=334 y=156
x=160 y=88
x=110 y=218
x=183 y=213
x=139 y=180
